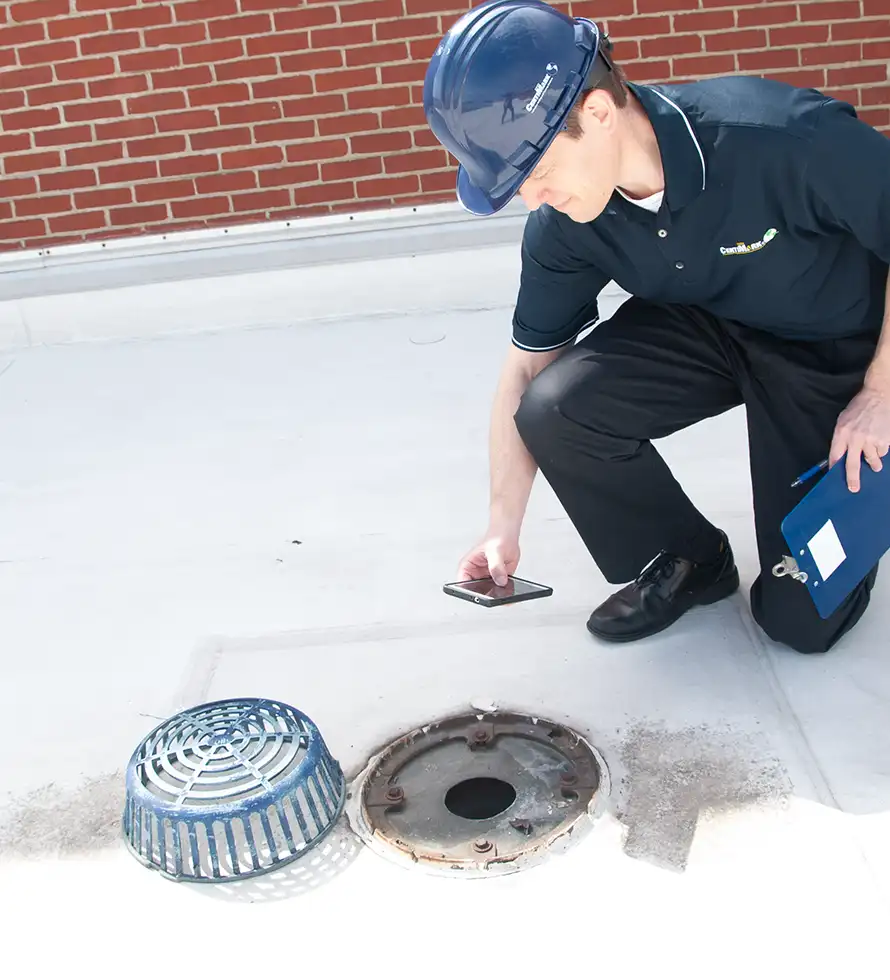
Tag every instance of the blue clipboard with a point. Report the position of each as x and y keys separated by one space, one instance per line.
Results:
x=837 y=537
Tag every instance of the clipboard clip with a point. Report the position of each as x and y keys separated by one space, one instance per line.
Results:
x=788 y=566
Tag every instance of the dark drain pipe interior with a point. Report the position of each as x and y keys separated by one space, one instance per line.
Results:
x=480 y=798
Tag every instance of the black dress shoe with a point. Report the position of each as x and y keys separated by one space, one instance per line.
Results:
x=668 y=587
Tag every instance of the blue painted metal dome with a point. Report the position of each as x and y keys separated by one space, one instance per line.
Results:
x=229 y=790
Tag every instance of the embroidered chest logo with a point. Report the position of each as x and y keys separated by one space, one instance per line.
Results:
x=740 y=248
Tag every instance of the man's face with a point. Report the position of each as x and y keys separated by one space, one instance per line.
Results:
x=577 y=176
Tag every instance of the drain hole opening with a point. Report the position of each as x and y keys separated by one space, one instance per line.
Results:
x=480 y=798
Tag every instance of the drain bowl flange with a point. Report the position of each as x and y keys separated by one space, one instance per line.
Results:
x=478 y=794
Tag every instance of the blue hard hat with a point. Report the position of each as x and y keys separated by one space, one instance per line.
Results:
x=498 y=90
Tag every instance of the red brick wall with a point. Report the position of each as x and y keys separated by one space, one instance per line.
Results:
x=140 y=116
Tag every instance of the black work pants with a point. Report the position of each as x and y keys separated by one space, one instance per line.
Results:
x=589 y=417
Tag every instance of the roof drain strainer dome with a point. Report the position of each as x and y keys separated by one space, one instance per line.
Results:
x=230 y=790
x=479 y=794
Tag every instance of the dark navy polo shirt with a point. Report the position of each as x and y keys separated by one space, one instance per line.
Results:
x=776 y=214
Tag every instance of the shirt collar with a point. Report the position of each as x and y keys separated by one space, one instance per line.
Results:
x=683 y=161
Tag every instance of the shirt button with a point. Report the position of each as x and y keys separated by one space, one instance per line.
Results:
x=679 y=265
x=662 y=233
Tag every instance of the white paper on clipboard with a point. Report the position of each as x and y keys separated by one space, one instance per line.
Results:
x=827 y=551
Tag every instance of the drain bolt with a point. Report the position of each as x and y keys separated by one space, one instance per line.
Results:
x=482 y=846
x=568 y=779
x=395 y=794
x=481 y=737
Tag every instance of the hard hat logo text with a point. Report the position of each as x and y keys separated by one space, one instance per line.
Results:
x=541 y=88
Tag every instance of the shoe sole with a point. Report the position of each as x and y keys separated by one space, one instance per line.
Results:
x=715 y=593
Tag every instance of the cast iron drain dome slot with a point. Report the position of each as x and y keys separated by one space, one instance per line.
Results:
x=479 y=794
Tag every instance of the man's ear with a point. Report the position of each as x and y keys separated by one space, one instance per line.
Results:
x=598 y=109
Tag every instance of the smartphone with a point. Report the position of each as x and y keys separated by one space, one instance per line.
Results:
x=487 y=593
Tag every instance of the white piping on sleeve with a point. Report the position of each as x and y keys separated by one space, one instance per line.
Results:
x=565 y=343
x=542 y=350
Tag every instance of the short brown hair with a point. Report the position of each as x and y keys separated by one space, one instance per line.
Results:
x=614 y=82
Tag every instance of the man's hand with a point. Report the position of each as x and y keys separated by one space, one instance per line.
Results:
x=497 y=555
x=863 y=429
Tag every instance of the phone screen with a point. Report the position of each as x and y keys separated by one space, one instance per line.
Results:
x=488 y=587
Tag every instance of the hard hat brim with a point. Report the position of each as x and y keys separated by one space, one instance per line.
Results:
x=477 y=201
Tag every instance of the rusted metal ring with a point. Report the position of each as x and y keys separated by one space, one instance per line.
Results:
x=523 y=782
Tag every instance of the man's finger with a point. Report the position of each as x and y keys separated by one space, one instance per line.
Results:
x=497 y=568
x=470 y=569
x=838 y=447
x=873 y=458
x=854 y=462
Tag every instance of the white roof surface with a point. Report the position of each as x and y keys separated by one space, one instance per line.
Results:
x=150 y=491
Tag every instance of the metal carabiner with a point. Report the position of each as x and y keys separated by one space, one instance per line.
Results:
x=788 y=566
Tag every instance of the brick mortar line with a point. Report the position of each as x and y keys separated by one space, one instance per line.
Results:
x=265 y=168
x=229 y=195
